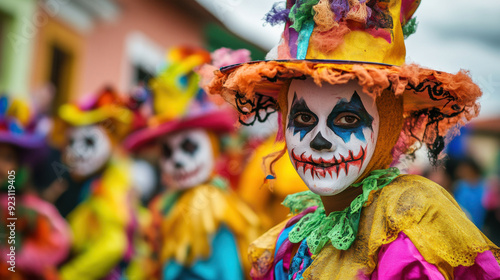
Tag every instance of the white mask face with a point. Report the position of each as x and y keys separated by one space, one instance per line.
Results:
x=331 y=133
x=88 y=149
x=187 y=159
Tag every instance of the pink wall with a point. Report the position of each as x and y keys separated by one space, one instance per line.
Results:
x=104 y=56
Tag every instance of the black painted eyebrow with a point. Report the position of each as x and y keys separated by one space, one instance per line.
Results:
x=354 y=105
x=299 y=105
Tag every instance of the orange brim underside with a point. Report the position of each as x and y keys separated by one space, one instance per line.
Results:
x=451 y=94
x=266 y=77
x=454 y=96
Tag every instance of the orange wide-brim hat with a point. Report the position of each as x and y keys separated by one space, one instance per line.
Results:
x=342 y=40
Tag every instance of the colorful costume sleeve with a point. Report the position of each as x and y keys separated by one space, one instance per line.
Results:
x=223 y=263
x=99 y=229
x=261 y=252
x=100 y=256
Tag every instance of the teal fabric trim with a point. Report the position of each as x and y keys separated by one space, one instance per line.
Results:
x=303 y=40
x=223 y=263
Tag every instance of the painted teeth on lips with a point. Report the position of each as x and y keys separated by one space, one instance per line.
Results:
x=325 y=164
x=320 y=167
x=184 y=175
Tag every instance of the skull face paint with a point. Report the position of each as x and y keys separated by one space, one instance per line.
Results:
x=187 y=158
x=331 y=133
x=88 y=150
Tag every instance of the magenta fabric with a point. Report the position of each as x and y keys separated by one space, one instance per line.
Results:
x=400 y=259
x=486 y=267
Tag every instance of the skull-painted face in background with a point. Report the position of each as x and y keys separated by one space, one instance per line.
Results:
x=187 y=159
x=88 y=150
x=331 y=132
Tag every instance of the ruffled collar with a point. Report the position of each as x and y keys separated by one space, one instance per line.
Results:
x=341 y=227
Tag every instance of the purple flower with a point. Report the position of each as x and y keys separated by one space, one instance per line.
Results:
x=278 y=14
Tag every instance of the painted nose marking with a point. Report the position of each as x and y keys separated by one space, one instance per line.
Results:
x=320 y=143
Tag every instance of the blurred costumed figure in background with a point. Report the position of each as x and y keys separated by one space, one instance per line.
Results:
x=101 y=206
x=491 y=202
x=470 y=188
x=235 y=147
x=36 y=237
x=201 y=228
x=350 y=107
x=256 y=142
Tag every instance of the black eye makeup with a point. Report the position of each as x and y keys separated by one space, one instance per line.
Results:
x=304 y=119
x=347 y=120
x=350 y=117
x=189 y=146
x=89 y=141
x=300 y=118
x=166 y=151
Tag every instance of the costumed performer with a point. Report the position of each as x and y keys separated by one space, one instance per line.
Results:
x=350 y=106
x=37 y=238
x=103 y=220
x=203 y=229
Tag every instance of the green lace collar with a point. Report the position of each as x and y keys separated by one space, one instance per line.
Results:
x=340 y=227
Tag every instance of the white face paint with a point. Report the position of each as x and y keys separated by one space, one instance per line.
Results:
x=331 y=132
x=187 y=159
x=88 y=150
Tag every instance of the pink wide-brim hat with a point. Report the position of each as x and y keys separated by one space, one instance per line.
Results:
x=219 y=121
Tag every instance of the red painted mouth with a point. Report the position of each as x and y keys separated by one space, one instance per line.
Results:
x=321 y=167
x=183 y=175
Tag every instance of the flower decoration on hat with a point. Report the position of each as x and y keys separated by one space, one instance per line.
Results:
x=178 y=101
x=107 y=108
x=344 y=29
x=177 y=85
x=18 y=126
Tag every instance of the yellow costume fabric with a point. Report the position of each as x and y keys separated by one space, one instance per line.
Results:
x=99 y=226
x=261 y=251
x=267 y=203
x=411 y=204
x=193 y=219
x=360 y=45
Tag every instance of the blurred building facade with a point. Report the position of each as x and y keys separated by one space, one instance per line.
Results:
x=15 y=44
x=78 y=46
